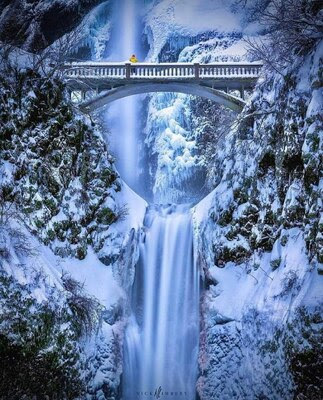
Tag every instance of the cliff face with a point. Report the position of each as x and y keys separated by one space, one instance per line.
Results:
x=34 y=25
x=56 y=166
x=258 y=236
x=180 y=126
x=63 y=221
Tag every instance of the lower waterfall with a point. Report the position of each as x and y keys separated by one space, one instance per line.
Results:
x=162 y=337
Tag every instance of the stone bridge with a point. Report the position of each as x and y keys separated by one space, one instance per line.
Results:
x=95 y=84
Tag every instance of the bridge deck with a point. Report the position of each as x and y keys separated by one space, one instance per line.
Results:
x=162 y=71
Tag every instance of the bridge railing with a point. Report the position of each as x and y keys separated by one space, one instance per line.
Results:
x=162 y=70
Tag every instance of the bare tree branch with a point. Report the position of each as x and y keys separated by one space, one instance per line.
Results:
x=290 y=27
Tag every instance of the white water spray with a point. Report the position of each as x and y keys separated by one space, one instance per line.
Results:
x=161 y=340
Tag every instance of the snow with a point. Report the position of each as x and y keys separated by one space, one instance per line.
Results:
x=93 y=32
x=97 y=278
x=188 y=18
x=316 y=104
x=177 y=22
x=237 y=290
x=6 y=171
x=24 y=267
x=313 y=295
x=292 y=196
x=20 y=57
x=201 y=210
x=169 y=139
x=39 y=295
x=215 y=51
x=136 y=206
x=248 y=301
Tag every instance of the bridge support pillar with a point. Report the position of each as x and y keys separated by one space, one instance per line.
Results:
x=242 y=92
x=128 y=70
x=196 y=70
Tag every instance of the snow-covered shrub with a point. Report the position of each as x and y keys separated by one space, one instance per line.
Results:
x=210 y=124
x=264 y=214
x=85 y=309
x=11 y=237
x=275 y=263
x=290 y=283
x=59 y=173
x=39 y=354
x=264 y=185
x=292 y=28
x=303 y=340
x=18 y=241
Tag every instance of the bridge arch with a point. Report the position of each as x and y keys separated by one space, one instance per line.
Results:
x=113 y=81
x=107 y=96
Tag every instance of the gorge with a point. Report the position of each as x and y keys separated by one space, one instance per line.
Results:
x=164 y=246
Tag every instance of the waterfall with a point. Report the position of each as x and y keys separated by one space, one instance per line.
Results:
x=161 y=340
x=124 y=115
x=162 y=334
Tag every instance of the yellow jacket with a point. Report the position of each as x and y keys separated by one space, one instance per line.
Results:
x=133 y=59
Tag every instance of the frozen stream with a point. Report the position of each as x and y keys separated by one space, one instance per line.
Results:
x=161 y=341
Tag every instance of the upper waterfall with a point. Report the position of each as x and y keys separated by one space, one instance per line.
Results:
x=123 y=117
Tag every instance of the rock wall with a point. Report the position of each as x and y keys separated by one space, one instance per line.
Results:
x=59 y=184
x=34 y=25
x=179 y=127
x=258 y=237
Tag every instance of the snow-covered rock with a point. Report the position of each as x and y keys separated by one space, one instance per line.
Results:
x=179 y=171
x=35 y=25
x=258 y=242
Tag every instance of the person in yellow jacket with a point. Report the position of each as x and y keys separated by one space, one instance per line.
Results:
x=133 y=59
